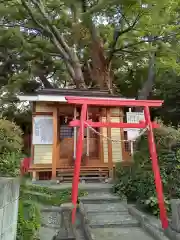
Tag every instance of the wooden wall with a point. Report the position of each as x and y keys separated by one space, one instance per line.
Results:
x=117 y=153
x=42 y=153
x=43 y=107
x=116 y=146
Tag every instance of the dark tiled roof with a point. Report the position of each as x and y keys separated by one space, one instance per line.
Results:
x=77 y=92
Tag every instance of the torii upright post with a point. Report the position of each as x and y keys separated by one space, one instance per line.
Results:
x=78 y=160
x=155 y=167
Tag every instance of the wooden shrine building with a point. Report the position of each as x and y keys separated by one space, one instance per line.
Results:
x=53 y=148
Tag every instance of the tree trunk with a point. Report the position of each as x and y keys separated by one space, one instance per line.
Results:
x=100 y=69
x=78 y=76
x=148 y=85
x=147 y=88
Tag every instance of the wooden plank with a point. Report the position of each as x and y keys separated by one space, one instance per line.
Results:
x=55 y=141
x=65 y=167
x=110 y=160
x=42 y=113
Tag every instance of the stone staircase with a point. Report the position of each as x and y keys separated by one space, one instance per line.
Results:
x=101 y=215
x=104 y=216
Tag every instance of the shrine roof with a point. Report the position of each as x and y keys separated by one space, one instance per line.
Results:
x=58 y=95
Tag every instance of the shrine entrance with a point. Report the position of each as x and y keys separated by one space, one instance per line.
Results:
x=84 y=123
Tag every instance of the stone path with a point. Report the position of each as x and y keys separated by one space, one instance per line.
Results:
x=109 y=219
x=103 y=216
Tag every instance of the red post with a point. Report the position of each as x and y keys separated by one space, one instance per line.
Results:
x=78 y=161
x=155 y=167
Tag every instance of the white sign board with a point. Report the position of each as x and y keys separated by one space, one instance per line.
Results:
x=133 y=117
x=42 y=130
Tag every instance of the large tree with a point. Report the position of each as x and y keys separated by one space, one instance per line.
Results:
x=86 y=43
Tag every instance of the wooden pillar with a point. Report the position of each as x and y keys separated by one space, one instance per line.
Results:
x=55 y=154
x=110 y=156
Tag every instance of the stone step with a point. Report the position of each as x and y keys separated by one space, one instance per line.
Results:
x=106 y=207
x=99 y=198
x=111 y=220
x=120 y=234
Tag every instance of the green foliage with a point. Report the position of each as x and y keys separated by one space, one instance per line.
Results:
x=28 y=220
x=10 y=148
x=137 y=182
x=10 y=137
x=31 y=198
x=48 y=196
x=35 y=54
x=10 y=164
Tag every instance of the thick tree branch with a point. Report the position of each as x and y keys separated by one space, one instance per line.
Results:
x=72 y=62
x=118 y=33
x=30 y=12
x=47 y=28
x=149 y=40
x=52 y=27
x=45 y=81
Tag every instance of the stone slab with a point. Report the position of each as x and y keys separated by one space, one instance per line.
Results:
x=99 y=198
x=110 y=219
x=175 y=206
x=120 y=234
x=105 y=207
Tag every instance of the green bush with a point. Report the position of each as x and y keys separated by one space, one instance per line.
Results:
x=10 y=148
x=31 y=197
x=28 y=220
x=10 y=164
x=10 y=137
x=137 y=182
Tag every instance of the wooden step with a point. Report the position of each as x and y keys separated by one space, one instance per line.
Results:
x=69 y=169
x=84 y=171
x=82 y=174
x=86 y=179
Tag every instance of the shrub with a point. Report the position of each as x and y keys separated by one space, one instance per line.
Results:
x=10 y=137
x=137 y=182
x=10 y=148
x=28 y=220
x=10 y=164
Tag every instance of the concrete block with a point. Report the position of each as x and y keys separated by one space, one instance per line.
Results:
x=16 y=206
x=1 y=221
x=15 y=188
x=9 y=193
x=8 y=216
x=9 y=234
x=175 y=206
x=3 y=183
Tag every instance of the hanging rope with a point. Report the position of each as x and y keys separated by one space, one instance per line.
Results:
x=116 y=140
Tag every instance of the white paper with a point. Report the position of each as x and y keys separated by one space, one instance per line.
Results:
x=42 y=130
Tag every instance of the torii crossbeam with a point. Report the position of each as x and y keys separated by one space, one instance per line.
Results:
x=83 y=122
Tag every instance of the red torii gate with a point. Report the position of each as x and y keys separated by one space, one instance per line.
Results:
x=83 y=122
